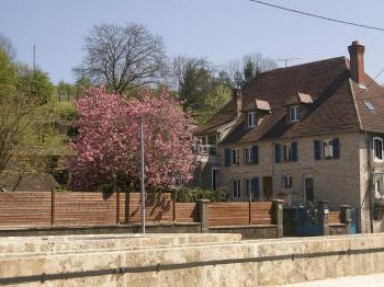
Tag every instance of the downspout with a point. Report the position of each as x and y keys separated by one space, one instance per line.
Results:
x=370 y=181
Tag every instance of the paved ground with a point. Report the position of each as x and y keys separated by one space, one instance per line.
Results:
x=372 y=280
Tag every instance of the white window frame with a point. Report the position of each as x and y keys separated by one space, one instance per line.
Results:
x=251 y=119
x=287 y=181
x=236 y=185
x=375 y=157
x=235 y=154
x=248 y=155
x=328 y=148
x=286 y=152
x=378 y=184
x=294 y=114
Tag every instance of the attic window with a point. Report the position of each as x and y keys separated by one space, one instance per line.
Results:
x=294 y=114
x=369 y=105
x=252 y=120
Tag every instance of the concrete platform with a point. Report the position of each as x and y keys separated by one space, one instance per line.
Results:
x=372 y=280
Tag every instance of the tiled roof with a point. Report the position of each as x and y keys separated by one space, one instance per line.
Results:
x=337 y=103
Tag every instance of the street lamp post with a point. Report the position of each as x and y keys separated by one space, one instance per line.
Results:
x=142 y=175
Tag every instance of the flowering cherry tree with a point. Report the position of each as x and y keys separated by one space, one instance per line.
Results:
x=108 y=142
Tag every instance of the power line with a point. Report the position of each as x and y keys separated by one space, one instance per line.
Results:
x=318 y=16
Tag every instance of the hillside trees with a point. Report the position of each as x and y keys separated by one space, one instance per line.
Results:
x=122 y=57
x=108 y=140
x=22 y=93
x=201 y=92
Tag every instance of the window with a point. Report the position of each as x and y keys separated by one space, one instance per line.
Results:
x=287 y=152
x=236 y=188
x=235 y=157
x=327 y=149
x=294 y=114
x=378 y=148
x=287 y=182
x=248 y=158
x=208 y=145
x=378 y=179
x=252 y=120
x=251 y=155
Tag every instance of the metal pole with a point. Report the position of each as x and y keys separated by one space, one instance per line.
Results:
x=142 y=187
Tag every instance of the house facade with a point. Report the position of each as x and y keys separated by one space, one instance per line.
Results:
x=303 y=133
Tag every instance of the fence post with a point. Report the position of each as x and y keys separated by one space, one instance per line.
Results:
x=277 y=216
x=346 y=216
x=117 y=192
x=323 y=216
x=174 y=206
x=250 y=209
x=204 y=214
x=53 y=206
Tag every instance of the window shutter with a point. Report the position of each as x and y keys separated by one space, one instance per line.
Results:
x=255 y=188
x=317 y=149
x=336 y=148
x=255 y=154
x=227 y=157
x=294 y=151
x=277 y=153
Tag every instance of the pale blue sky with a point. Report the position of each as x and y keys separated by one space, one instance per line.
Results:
x=219 y=30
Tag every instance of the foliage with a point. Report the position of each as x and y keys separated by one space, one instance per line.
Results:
x=238 y=74
x=108 y=140
x=22 y=93
x=192 y=194
x=201 y=92
x=122 y=57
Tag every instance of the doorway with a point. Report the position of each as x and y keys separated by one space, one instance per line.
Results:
x=267 y=188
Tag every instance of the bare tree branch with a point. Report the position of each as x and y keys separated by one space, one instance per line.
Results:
x=123 y=57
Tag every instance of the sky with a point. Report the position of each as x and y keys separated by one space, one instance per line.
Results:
x=218 y=30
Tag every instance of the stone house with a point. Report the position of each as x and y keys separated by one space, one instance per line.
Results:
x=302 y=133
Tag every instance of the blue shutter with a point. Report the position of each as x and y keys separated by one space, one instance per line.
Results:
x=294 y=151
x=277 y=153
x=336 y=148
x=227 y=157
x=317 y=149
x=255 y=188
x=255 y=154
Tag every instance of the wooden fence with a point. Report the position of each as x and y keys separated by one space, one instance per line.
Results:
x=92 y=208
x=239 y=213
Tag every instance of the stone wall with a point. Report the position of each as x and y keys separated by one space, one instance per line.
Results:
x=335 y=180
x=185 y=260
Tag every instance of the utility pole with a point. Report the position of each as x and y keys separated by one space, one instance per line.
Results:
x=34 y=57
x=286 y=60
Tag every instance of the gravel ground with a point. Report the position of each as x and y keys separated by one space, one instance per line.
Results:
x=371 y=280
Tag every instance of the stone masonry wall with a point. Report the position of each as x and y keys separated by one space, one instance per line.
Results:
x=185 y=260
x=337 y=181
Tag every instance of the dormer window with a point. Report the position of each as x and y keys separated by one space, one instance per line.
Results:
x=252 y=120
x=294 y=114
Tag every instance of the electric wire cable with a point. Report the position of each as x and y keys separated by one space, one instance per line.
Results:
x=318 y=16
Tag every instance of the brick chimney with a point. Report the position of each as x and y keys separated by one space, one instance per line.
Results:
x=356 y=55
x=239 y=100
